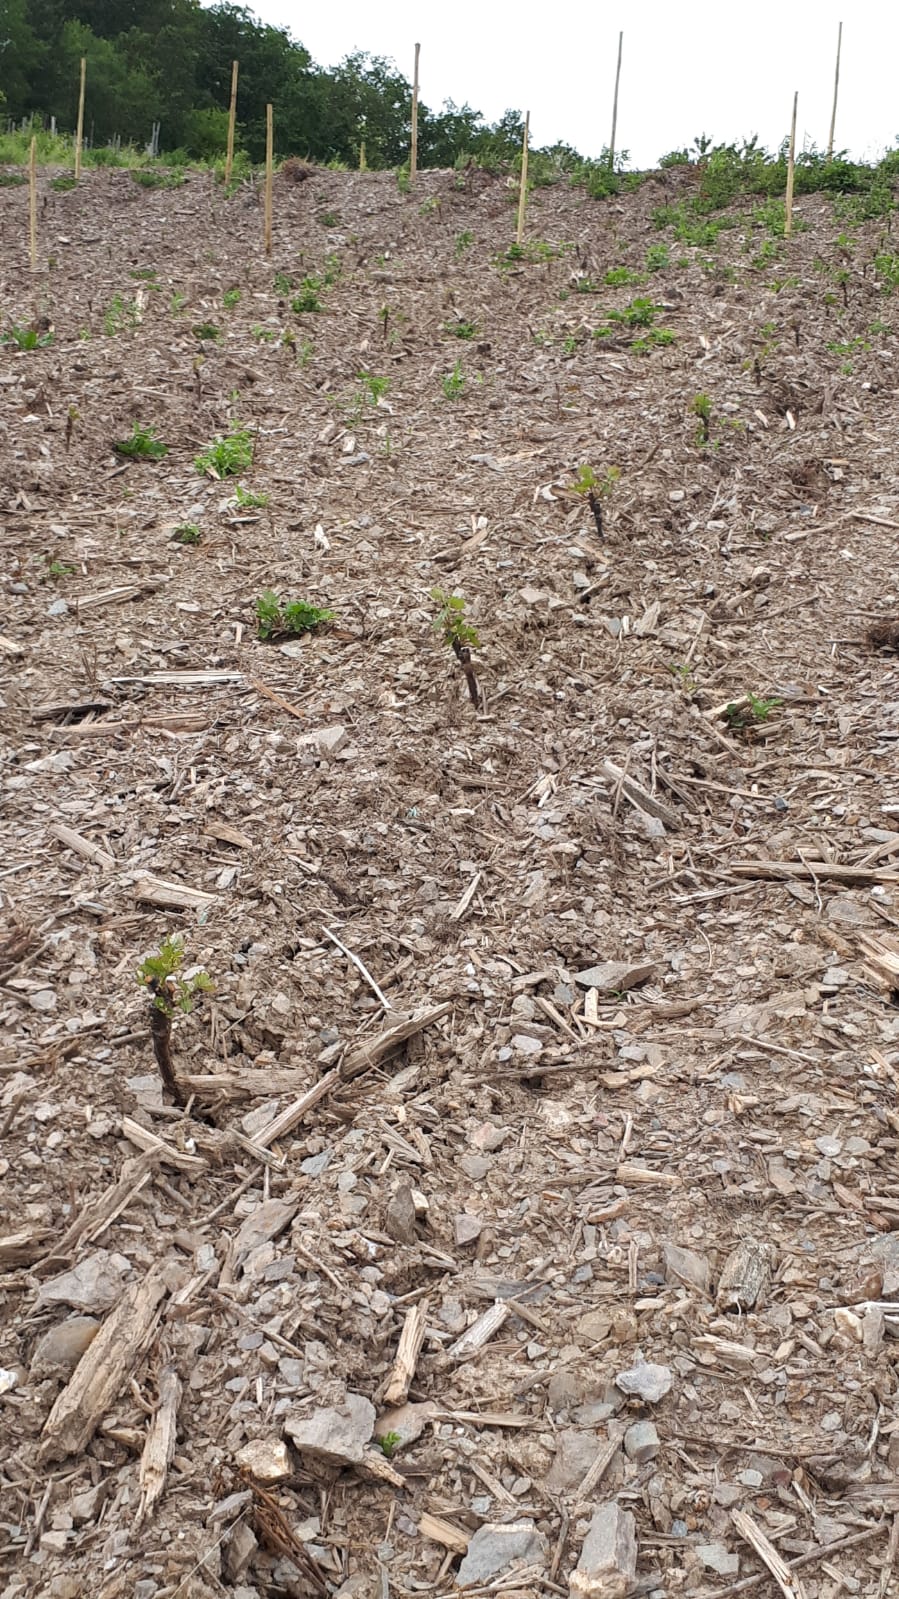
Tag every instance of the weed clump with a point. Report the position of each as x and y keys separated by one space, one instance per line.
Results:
x=141 y=445
x=227 y=455
x=277 y=618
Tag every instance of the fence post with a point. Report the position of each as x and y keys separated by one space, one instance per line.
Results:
x=615 y=106
x=79 y=131
x=413 y=153
x=523 y=186
x=32 y=203
x=232 y=118
x=836 y=86
x=791 y=172
x=269 y=151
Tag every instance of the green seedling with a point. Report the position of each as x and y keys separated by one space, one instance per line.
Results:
x=206 y=332
x=329 y=219
x=141 y=445
x=120 y=314
x=657 y=258
x=701 y=407
x=171 y=990
x=462 y=242
x=264 y=335
x=595 y=489
x=277 y=618
x=187 y=533
x=655 y=337
x=683 y=674
x=13 y=180
x=61 y=184
x=177 y=303
x=459 y=634
x=620 y=277
x=230 y=299
x=227 y=455
x=454 y=383
x=308 y=297
x=246 y=500
x=59 y=569
x=27 y=338
x=753 y=710
x=373 y=387
x=149 y=178
x=389 y=1444
x=283 y=283
x=461 y=329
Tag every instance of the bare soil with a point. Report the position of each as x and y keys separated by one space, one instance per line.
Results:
x=553 y=1144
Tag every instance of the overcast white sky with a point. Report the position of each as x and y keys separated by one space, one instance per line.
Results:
x=729 y=71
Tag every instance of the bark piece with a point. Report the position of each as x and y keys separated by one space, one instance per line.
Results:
x=103 y=1369
x=160 y=1445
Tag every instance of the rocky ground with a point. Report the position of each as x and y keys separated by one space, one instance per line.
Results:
x=542 y=1119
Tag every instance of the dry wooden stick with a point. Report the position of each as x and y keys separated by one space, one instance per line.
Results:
x=380 y=995
x=373 y=1052
x=408 y=1351
x=82 y=846
x=480 y=1332
x=598 y=1468
x=263 y=688
x=160 y=1445
x=103 y=1368
x=764 y=1548
x=639 y=797
x=814 y=1555
x=783 y=871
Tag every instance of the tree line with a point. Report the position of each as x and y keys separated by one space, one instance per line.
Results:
x=169 y=61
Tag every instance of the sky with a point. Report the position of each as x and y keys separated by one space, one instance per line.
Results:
x=728 y=71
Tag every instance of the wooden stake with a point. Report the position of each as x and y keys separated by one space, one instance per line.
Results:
x=413 y=154
x=232 y=121
x=615 y=106
x=363 y=166
x=79 y=130
x=523 y=187
x=791 y=173
x=836 y=86
x=269 y=149
x=32 y=202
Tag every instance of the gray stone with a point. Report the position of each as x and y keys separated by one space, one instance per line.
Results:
x=266 y=1459
x=95 y=1284
x=497 y=1548
x=615 y=977
x=641 y=1442
x=238 y=1551
x=466 y=1228
x=687 y=1265
x=719 y=1559
x=338 y=1436
x=646 y=1381
x=58 y=1351
x=400 y=1217
x=575 y=1454
x=608 y=1561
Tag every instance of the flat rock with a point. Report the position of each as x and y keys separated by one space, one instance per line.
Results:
x=615 y=977
x=400 y=1214
x=338 y=1435
x=641 y=1442
x=575 y=1454
x=646 y=1381
x=95 y=1284
x=718 y=1559
x=499 y=1547
x=58 y=1351
x=687 y=1266
x=266 y=1458
x=466 y=1228
x=608 y=1560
